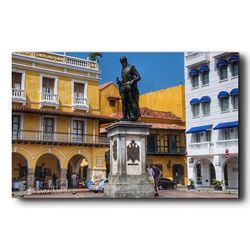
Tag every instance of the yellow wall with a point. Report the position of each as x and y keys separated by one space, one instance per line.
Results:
x=169 y=99
x=106 y=92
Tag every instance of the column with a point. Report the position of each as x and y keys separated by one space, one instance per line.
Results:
x=63 y=178
x=31 y=177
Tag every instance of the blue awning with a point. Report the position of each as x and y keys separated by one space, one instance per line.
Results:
x=204 y=68
x=233 y=58
x=194 y=101
x=221 y=63
x=227 y=125
x=234 y=91
x=205 y=99
x=223 y=94
x=199 y=129
x=194 y=72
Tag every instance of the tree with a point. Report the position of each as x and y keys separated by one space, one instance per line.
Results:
x=94 y=56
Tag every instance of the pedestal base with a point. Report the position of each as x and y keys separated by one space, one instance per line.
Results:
x=125 y=186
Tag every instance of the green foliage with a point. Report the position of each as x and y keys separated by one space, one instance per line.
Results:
x=217 y=183
x=192 y=182
x=94 y=56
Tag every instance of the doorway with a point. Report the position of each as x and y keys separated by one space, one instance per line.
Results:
x=178 y=174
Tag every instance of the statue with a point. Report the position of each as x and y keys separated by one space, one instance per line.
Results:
x=129 y=91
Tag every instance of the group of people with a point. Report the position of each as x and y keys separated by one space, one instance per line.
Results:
x=154 y=174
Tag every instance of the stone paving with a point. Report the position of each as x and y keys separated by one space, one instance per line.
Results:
x=168 y=194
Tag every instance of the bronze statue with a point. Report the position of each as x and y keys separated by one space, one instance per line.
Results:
x=129 y=91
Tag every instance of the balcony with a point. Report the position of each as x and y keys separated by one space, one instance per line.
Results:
x=201 y=148
x=56 y=138
x=19 y=95
x=80 y=103
x=48 y=99
x=61 y=59
x=166 y=151
x=231 y=145
x=194 y=58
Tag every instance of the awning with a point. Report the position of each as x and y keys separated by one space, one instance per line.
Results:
x=199 y=129
x=194 y=72
x=194 y=101
x=205 y=99
x=226 y=125
x=221 y=63
x=223 y=94
x=234 y=91
x=204 y=68
x=233 y=59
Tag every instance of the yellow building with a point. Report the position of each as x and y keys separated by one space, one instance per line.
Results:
x=166 y=143
x=56 y=120
x=168 y=99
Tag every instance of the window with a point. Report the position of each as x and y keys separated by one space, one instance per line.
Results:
x=206 y=108
x=78 y=130
x=16 y=80
x=229 y=134
x=48 y=128
x=223 y=72
x=152 y=143
x=195 y=81
x=48 y=85
x=224 y=104
x=235 y=101
x=205 y=78
x=16 y=123
x=208 y=135
x=197 y=137
x=78 y=89
x=196 y=110
x=112 y=102
x=235 y=68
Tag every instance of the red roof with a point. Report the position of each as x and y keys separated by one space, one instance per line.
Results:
x=166 y=126
x=150 y=113
x=62 y=113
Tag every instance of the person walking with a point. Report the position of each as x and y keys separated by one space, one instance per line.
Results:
x=74 y=181
x=157 y=175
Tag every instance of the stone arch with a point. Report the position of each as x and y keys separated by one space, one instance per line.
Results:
x=59 y=155
x=78 y=169
x=47 y=171
x=230 y=172
x=204 y=174
x=84 y=153
x=25 y=153
x=19 y=171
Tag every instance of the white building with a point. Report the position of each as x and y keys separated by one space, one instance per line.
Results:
x=211 y=86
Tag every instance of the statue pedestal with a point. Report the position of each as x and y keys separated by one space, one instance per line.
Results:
x=128 y=177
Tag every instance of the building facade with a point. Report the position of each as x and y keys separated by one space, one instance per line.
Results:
x=212 y=105
x=166 y=144
x=55 y=121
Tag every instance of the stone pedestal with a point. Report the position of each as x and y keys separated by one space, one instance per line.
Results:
x=128 y=177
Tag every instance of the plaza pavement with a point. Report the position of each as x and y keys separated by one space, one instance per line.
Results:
x=167 y=194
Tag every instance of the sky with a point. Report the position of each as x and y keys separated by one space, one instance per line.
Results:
x=158 y=70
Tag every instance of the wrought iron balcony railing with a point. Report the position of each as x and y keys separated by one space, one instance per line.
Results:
x=161 y=150
x=58 y=138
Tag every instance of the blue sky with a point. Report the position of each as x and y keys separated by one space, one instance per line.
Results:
x=158 y=70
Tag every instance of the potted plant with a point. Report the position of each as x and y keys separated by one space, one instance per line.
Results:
x=191 y=184
x=218 y=185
